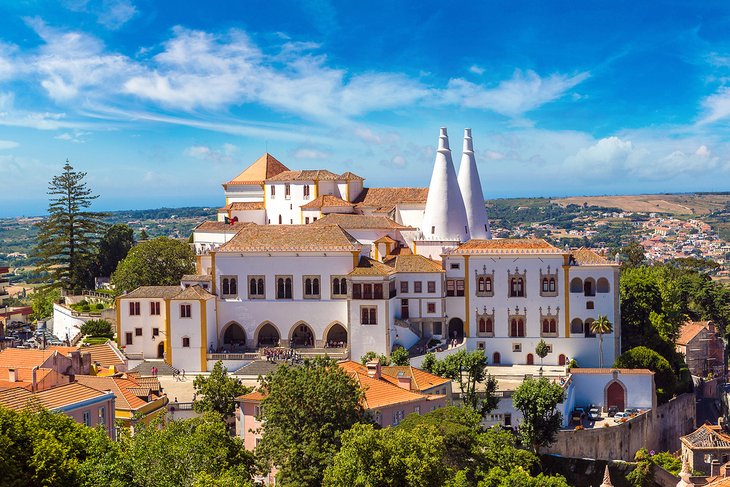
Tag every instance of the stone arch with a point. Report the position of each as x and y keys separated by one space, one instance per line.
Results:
x=589 y=287
x=603 y=286
x=335 y=333
x=301 y=335
x=615 y=394
x=161 y=349
x=576 y=285
x=587 y=325
x=576 y=326
x=233 y=336
x=456 y=329
x=267 y=335
x=530 y=359
x=496 y=358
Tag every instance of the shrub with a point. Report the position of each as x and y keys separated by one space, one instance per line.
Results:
x=99 y=306
x=83 y=302
x=97 y=328
x=86 y=307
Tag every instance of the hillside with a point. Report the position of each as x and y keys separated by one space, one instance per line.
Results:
x=674 y=204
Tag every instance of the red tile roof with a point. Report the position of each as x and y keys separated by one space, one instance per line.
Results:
x=507 y=246
x=690 y=330
x=385 y=199
x=264 y=167
x=291 y=238
x=326 y=200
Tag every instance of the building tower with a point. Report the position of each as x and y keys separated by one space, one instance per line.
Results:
x=445 y=216
x=471 y=192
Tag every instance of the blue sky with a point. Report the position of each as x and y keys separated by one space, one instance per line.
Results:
x=160 y=102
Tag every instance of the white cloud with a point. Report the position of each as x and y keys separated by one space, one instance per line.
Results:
x=112 y=14
x=76 y=136
x=308 y=153
x=476 y=69
x=717 y=106
x=8 y=144
x=225 y=154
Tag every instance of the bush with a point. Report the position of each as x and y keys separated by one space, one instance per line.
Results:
x=86 y=307
x=645 y=358
x=99 y=306
x=97 y=328
x=399 y=356
x=83 y=302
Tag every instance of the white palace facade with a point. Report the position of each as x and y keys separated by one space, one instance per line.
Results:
x=316 y=261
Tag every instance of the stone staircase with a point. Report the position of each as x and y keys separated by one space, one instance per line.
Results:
x=145 y=368
x=419 y=348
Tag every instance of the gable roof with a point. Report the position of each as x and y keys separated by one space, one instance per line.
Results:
x=243 y=206
x=413 y=263
x=371 y=267
x=105 y=354
x=506 y=246
x=193 y=292
x=24 y=358
x=421 y=380
x=351 y=176
x=306 y=175
x=56 y=398
x=690 y=330
x=220 y=227
x=162 y=292
x=350 y=221
x=123 y=389
x=264 y=167
x=584 y=256
x=385 y=199
x=288 y=238
x=326 y=200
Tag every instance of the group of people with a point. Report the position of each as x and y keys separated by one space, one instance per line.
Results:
x=336 y=344
x=281 y=354
x=178 y=375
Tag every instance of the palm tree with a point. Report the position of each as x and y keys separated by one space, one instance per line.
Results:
x=601 y=326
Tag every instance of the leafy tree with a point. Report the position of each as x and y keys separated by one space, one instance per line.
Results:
x=519 y=477
x=42 y=303
x=218 y=391
x=633 y=254
x=97 y=328
x=646 y=358
x=369 y=356
x=468 y=369
x=601 y=326
x=305 y=412
x=67 y=237
x=399 y=356
x=541 y=350
x=114 y=246
x=143 y=235
x=158 y=262
x=537 y=399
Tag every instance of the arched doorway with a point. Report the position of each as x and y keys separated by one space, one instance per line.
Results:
x=234 y=338
x=530 y=359
x=561 y=359
x=161 y=349
x=496 y=358
x=336 y=336
x=268 y=336
x=302 y=336
x=456 y=330
x=616 y=395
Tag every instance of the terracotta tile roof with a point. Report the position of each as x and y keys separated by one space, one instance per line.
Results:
x=385 y=199
x=67 y=351
x=421 y=380
x=152 y=383
x=106 y=354
x=351 y=176
x=17 y=358
x=413 y=263
x=385 y=239
x=252 y=396
x=585 y=256
x=507 y=246
x=194 y=292
x=350 y=221
x=243 y=206
x=291 y=238
x=126 y=399
x=264 y=167
x=196 y=277
x=401 y=251
x=371 y=267
x=221 y=227
x=608 y=371
x=380 y=392
x=690 y=330
x=141 y=392
x=58 y=397
x=16 y=398
x=326 y=200
x=162 y=292
x=306 y=175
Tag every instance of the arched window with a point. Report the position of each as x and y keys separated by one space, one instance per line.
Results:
x=545 y=326
x=520 y=328
x=252 y=287
x=513 y=328
x=553 y=326
x=576 y=326
x=234 y=286
x=513 y=287
x=308 y=286
x=517 y=327
x=260 y=286
x=496 y=358
x=545 y=284
x=343 y=286
x=336 y=285
x=603 y=286
x=520 y=287
x=280 y=288
x=287 y=288
x=489 y=328
x=482 y=325
x=576 y=285
x=225 y=287
x=315 y=286
x=552 y=285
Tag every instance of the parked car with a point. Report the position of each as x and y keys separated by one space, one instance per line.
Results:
x=621 y=415
x=594 y=414
x=632 y=411
x=578 y=414
x=612 y=410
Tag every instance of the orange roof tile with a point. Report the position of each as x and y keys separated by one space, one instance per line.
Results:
x=326 y=200
x=690 y=330
x=351 y=176
x=413 y=263
x=197 y=277
x=264 y=167
x=243 y=206
x=371 y=267
x=507 y=246
x=105 y=354
x=126 y=399
x=291 y=238
x=193 y=292
x=385 y=239
x=585 y=256
x=17 y=358
x=306 y=175
x=350 y=221
x=58 y=397
x=385 y=199
x=161 y=292
x=421 y=380
x=252 y=396
x=221 y=227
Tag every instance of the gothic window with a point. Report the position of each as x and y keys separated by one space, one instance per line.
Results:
x=484 y=282
x=311 y=287
x=229 y=286
x=517 y=288
x=256 y=287
x=517 y=327
x=485 y=322
x=549 y=322
x=339 y=286
x=549 y=282
x=283 y=287
x=368 y=315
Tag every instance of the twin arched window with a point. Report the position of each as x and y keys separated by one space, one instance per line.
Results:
x=548 y=285
x=339 y=286
x=549 y=326
x=229 y=286
x=256 y=287
x=311 y=286
x=486 y=325
x=517 y=287
x=484 y=284
x=517 y=327
x=283 y=288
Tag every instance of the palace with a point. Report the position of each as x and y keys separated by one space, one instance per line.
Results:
x=317 y=261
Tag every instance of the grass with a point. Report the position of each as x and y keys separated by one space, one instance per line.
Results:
x=95 y=340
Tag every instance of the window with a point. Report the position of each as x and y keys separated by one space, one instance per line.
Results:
x=590 y=305
x=138 y=332
x=576 y=326
x=185 y=311
x=550 y=348
x=430 y=307
x=552 y=285
x=379 y=418
x=459 y=287
x=229 y=286
x=87 y=418
x=433 y=230
x=186 y=342
x=455 y=265
x=517 y=287
x=287 y=191
x=128 y=338
x=311 y=287
x=549 y=326
x=431 y=286
x=481 y=346
x=450 y=288
x=339 y=286
x=517 y=327
x=545 y=285
x=603 y=286
x=484 y=284
x=155 y=308
x=306 y=191
x=516 y=347
x=283 y=287
x=280 y=220
x=306 y=220
x=417 y=286
x=417 y=409
x=134 y=308
x=404 y=286
x=257 y=410
x=155 y=332
x=398 y=417
x=273 y=191
x=357 y=291
x=368 y=315
x=256 y=289
x=486 y=325
x=102 y=416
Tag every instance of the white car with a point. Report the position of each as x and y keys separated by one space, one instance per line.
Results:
x=621 y=415
x=594 y=414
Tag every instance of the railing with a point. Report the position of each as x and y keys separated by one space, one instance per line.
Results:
x=94 y=294
x=234 y=356
x=180 y=406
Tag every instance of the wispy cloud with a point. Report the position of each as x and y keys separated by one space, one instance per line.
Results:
x=8 y=144
x=226 y=153
x=112 y=14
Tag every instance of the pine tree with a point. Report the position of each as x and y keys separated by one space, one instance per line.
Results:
x=67 y=238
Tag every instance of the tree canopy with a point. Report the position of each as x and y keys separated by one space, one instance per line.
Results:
x=537 y=399
x=158 y=262
x=646 y=358
x=113 y=247
x=42 y=302
x=399 y=356
x=97 y=328
x=217 y=392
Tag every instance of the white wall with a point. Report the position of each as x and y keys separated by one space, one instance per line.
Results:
x=242 y=193
x=142 y=344
x=65 y=325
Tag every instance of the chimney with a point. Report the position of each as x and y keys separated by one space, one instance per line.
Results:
x=471 y=192
x=33 y=386
x=13 y=375
x=404 y=382
x=373 y=369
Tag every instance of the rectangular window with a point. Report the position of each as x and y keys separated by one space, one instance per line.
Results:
x=417 y=409
x=357 y=291
x=257 y=411
x=379 y=418
x=431 y=286
x=102 y=416
x=155 y=308
x=186 y=342
x=155 y=332
x=185 y=311
x=368 y=315
x=450 y=287
x=460 y=287
x=87 y=418
x=128 y=338
x=256 y=287
x=417 y=286
x=430 y=307
x=516 y=347
x=455 y=265
x=306 y=220
x=287 y=191
x=398 y=417
x=134 y=308
x=273 y=190
x=311 y=287
x=306 y=191
x=377 y=291
x=138 y=332
x=404 y=286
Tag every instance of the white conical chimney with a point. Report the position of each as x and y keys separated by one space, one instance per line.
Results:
x=445 y=215
x=471 y=192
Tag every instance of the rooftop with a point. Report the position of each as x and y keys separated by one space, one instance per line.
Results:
x=326 y=200
x=125 y=390
x=585 y=256
x=243 y=206
x=306 y=175
x=288 y=238
x=507 y=246
x=707 y=436
x=360 y=222
x=371 y=267
x=221 y=227
x=58 y=397
x=690 y=330
x=264 y=167
x=413 y=263
x=385 y=199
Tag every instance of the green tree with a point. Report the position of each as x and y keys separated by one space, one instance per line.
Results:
x=468 y=369
x=601 y=326
x=218 y=391
x=305 y=412
x=97 y=328
x=42 y=302
x=143 y=235
x=646 y=358
x=158 y=262
x=633 y=255
x=537 y=399
x=372 y=356
x=67 y=238
x=399 y=356
x=113 y=247
x=541 y=350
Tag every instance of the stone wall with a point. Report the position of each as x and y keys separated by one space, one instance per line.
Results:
x=658 y=430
